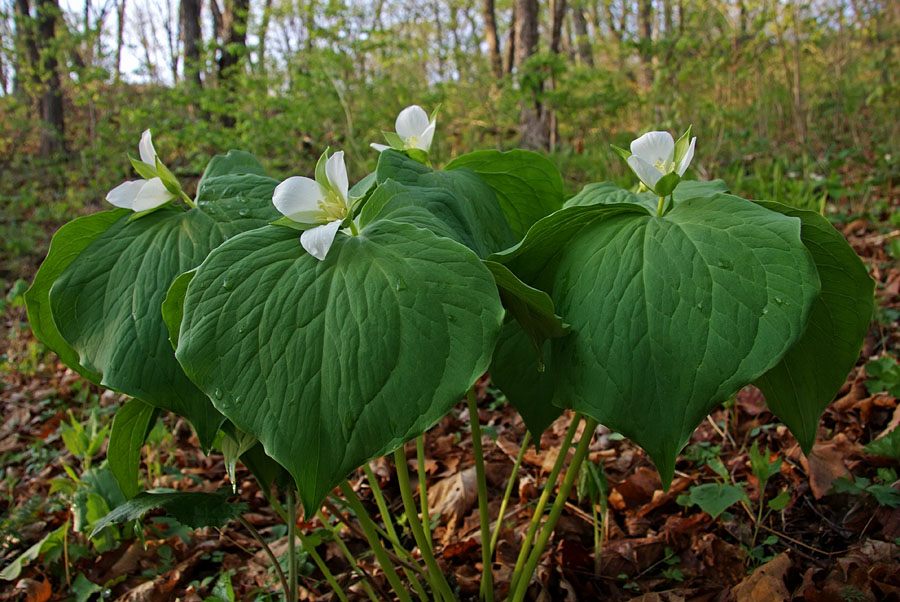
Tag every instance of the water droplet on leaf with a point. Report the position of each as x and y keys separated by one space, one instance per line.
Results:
x=244 y=212
x=218 y=393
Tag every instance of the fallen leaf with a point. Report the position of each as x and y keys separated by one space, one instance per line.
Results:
x=765 y=584
x=35 y=591
x=454 y=496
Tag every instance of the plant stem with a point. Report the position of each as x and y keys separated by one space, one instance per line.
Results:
x=329 y=577
x=353 y=229
x=369 y=529
x=542 y=501
x=363 y=577
x=661 y=206
x=391 y=532
x=436 y=578
x=423 y=488
x=571 y=474
x=487 y=575
x=292 y=545
x=506 y=494
x=265 y=546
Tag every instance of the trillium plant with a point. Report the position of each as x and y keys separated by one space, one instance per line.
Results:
x=306 y=357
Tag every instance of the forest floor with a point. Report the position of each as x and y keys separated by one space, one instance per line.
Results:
x=833 y=536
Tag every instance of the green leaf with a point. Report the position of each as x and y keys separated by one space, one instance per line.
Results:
x=532 y=308
x=517 y=370
x=885 y=495
x=394 y=140
x=666 y=184
x=780 y=501
x=695 y=189
x=194 y=509
x=805 y=381
x=68 y=242
x=106 y=302
x=528 y=185
x=332 y=363
x=470 y=205
x=887 y=445
x=682 y=145
x=233 y=163
x=714 y=498
x=670 y=315
x=362 y=188
x=129 y=431
x=148 y=172
x=168 y=178
x=883 y=375
x=84 y=589
x=172 y=305
x=234 y=446
x=12 y=571
x=762 y=468
x=621 y=151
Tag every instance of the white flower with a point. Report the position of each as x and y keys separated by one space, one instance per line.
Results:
x=141 y=195
x=656 y=154
x=415 y=131
x=323 y=202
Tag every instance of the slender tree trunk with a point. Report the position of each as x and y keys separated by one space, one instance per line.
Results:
x=27 y=53
x=645 y=27
x=532 y=125
x=53 y=127
x=263 y=31
x=490 y=34
x=583 y=51
x=120 y=37
x=234 y=45
x=192 y=37
x=511 y=42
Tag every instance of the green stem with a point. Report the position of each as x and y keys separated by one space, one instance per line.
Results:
x=391 y=532
x=369 y=529
x=661 y=206
x=423 y=489
x=508 y=493
x=292 y=545
x=353 y=229
x=187 y=199
x=363 y=577
x=487 y=574
x=584 y=444
x=311 y=550
x=598 y=540
x=542 y=501
x=265 y=546
x=436 y=578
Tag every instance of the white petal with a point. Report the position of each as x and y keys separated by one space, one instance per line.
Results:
x=412 y=121
x=379 y=147
x=148 y=153
x=151 y=195
x=648 y=174
x=318 y=240
x=298 y=198
x=336 y=172
x=123 y=194
x=427 y=135
x=686 y=159
x=654 y=147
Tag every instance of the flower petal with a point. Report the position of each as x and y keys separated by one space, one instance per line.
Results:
x=412 y=121
x=151 y=195
x=148 y=153
x=123 y=194
x=336 y=171
x=688 y=156
x=318 y=240
x=379 y=147
x=298 y=198
x=648 y=174
x=427 y=135
x=654 y=147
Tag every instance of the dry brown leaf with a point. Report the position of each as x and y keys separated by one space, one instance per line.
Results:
x=826 y=463
x=35 y=591
x=453 y=497
x=765 y=584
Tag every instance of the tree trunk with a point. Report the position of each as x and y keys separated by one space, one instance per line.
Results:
x=645 y=30
x=490 y=34
x=511 y=43
x=557 y=15
x=263 y=31
x=120 y=37
x=193 y=37
x=27 y=53
x=234 y=46
x=53 y=130
x=583 y=51
x=533 y=128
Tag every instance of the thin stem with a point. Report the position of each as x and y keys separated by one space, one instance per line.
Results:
x=292 y=545
x=363 y=577
x=542 y=501
x=265 y=546
x=487 y=575
x=187 y=200
x=508 y=493
x=423 y=488
x=353 y=229
x=391 y=532
x=311 y=550
x=598 y=539
x=436 y=577
x=661 y=206
x=571 y=473
x=369 y=529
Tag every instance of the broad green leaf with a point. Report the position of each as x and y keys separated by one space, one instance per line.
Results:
x=233 y=163
x=363 y=187
x=106 y=302
x=517 y=370
x=528 y=185
x=714 y=498
x=532 y=308
x=670 y=315
x=129 y=431
x=473 y=201
x=172 y=305
x=695 y=189
x=608 y=193
x=83 y=589
x=806 y=380
x=12 y=571
x=332 y=363
x=888 y=445
x=68 y=242
x=193 y=509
